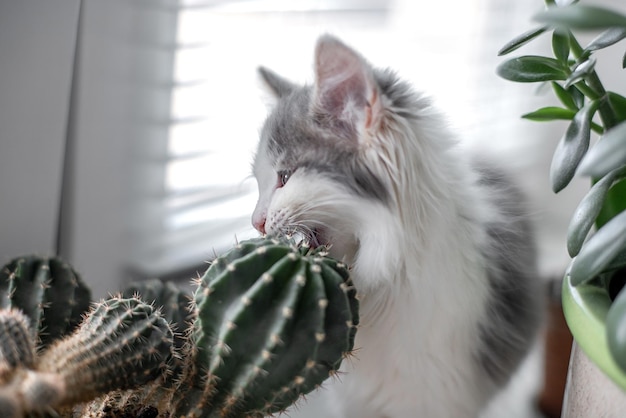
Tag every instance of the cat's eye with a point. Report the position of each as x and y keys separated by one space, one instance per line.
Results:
x=283 y=177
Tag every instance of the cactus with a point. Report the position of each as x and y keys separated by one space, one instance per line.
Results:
x=273 y=320
x=173 y=302
x=121 y=344
x=17 y=347
x=270 y=321
x=49 y=292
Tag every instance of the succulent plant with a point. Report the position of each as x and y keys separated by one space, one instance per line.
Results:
x=594 y=287
x=121 y=344
x=269 y=322
x=17 y=347
x=173 y=302
x=273 y=321
x=48 y=291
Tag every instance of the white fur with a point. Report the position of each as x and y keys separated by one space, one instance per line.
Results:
x=416 y=343
x=419 y=272
x=416 y=263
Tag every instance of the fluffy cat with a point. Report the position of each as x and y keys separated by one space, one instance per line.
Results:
x=440 y=248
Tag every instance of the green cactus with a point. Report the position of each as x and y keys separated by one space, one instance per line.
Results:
x=49 y=292
x=273 y=321
x=121 y=344
x=17 y=347
x=173 y=302
x=270 y=321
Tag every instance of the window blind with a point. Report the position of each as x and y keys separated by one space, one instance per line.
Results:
x=202 y=195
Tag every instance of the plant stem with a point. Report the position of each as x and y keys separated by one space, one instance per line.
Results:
x=606 y=111
x=592 y=87
x=589 y=92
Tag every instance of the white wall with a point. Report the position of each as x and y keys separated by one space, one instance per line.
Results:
x=36 y=51
x=125 y=71
x=122 y=92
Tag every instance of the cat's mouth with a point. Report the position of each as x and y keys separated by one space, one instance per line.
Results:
x=314 y=237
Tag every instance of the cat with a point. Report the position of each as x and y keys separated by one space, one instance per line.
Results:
x=440 y=247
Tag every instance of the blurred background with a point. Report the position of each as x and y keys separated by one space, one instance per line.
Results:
x=127 y=127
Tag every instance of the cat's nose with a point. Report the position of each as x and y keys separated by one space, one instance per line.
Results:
x=259 y=224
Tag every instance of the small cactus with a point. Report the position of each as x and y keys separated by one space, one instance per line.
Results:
x=273 y=321
x=173 y=302
x=121 y=344
x=49 y=292
x=17 y=347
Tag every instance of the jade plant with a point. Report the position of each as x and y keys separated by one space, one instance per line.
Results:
x=268 y=322
x=599 y=257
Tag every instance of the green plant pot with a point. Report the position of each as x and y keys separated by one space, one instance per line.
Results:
x=585 y=307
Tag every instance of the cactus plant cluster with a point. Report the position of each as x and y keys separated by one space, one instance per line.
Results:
x=122 y=343
x=269 y=321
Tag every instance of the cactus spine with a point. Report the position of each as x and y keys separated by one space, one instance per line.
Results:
x=48 y=291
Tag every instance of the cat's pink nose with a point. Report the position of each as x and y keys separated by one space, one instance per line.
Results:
x=259 y=224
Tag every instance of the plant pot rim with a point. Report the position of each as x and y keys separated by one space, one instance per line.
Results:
x=585 y=308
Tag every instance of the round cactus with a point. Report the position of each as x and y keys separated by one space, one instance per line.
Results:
x=273 y=321
x=49 y=292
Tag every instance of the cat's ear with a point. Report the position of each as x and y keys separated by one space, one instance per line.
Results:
x=279 y=86
x=345 y=88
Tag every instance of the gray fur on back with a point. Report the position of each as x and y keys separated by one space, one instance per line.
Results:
x=514 y=308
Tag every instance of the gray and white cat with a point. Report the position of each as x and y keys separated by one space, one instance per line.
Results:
x=440 y=248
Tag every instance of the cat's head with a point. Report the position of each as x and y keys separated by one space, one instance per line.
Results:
x=320 y=167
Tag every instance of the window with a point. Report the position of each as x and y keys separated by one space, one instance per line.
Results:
x=216 y=108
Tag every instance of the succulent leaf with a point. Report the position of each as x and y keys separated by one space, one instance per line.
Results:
x=586 y=213
x=600 y=250
x=607 y=38
x=531 y=69
x=607 y=155
x=521 y=40
x=550 y=113
x=580 y=16
x=572 y=147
